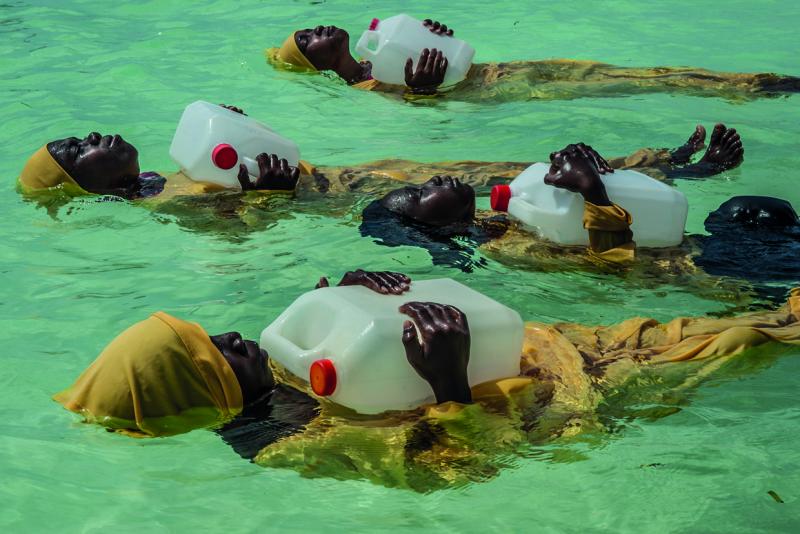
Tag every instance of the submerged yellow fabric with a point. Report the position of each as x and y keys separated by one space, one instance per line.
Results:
x=567 y=79
x=368 y=85
x=178 y=184
x=567 y=372
x=42 y=171
x=290 y=54
x=160 y=377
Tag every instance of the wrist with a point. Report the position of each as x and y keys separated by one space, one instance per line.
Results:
x=452 y=389
x=431 y=90
x=597 y=195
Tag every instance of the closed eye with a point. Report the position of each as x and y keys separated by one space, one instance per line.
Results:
x=75 y=151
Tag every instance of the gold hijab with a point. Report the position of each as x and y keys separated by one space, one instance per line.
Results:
x=160 y=377
x=42 y=171
x=289 y=56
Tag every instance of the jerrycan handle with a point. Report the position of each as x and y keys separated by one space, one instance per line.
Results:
x=368 y=45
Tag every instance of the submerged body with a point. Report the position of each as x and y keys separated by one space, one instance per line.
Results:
x=566 y=79
x=326 y=48
x=165 y=376
x=569 y=375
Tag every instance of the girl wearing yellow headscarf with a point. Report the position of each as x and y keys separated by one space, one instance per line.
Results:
x=109 y=165
x=164 y=376
x=327 y=48
x=96 y=164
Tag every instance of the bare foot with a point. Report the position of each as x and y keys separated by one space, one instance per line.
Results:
x=683 y=154
x=725 y=150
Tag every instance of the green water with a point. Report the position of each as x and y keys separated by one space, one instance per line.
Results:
x=71 y=283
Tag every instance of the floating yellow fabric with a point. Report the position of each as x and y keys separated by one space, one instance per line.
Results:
x=160 y=377
x=289 y=54
x=42 y=171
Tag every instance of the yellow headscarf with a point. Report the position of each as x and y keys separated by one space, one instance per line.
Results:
x=160 y=377
x=289 y=56
x=42 y=171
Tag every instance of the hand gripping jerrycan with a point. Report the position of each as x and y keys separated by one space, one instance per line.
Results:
x=212 y=141
x=390 y=42
x=658 y=210
x=346 y=342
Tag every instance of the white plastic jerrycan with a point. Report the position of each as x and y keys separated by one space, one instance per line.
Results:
x=346 y=342
x=658 y=210
x=212 y=141
x=390 y=42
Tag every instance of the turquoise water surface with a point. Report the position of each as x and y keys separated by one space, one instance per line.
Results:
x=75 y=278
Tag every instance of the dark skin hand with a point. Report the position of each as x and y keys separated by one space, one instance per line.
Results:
x=102 y=164
x=234 y=109
x=443 y=355
x=274 y=174
x=384 y=282
x=429 y=73
x=438 y=28
x=577 y=168
x=249 y=364
x=441 y=201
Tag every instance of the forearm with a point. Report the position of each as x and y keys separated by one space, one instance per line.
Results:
x=452 y=389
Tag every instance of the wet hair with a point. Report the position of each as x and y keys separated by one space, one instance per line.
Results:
x=753 y=238
x=451 y=246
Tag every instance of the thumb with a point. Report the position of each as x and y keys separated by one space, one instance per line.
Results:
x=409 y=72
x=411 y=343
x=244 y=178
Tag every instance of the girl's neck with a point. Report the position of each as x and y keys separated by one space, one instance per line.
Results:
x=350 y=70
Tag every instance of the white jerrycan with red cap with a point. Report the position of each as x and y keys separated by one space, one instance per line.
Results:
x=346 y=343
x=388 y=44
x=211 y=141
x=658 y=210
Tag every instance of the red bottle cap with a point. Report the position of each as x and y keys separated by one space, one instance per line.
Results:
x=374 y=24
x=501 y=194
x=224 y=156
x=322 y=376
